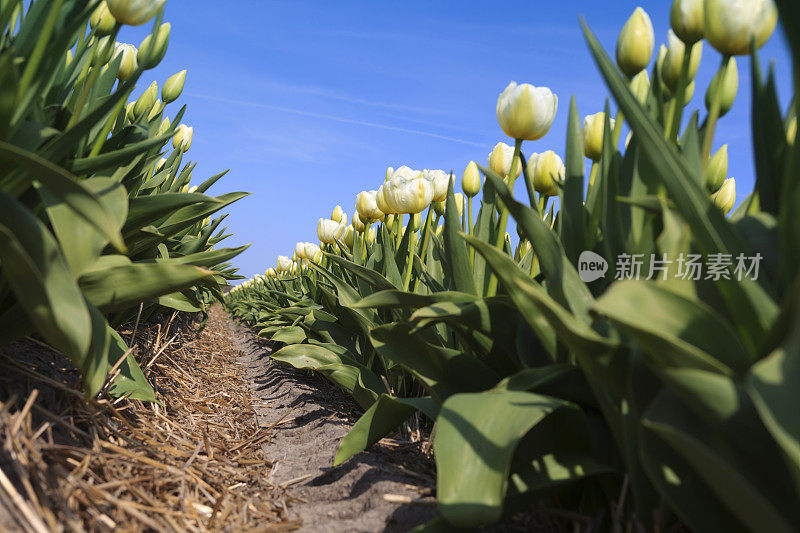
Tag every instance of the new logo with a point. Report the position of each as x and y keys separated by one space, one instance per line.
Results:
x=591 y=266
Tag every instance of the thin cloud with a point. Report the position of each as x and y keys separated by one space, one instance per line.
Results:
x=343 y=120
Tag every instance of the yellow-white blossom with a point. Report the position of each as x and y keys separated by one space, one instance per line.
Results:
x=526 y=112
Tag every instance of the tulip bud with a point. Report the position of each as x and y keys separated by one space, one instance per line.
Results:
x=673 y=61
x=338 y=214
x=732 y=25
x=635 y=43
x=725 y=90
x=130 y=112
x=162 y=129
x=349 y=237
x=103 y=51
x=726 y=196
x=687 y=18
x=438 y=207
x=717 y=170
x=371 y=235
x=134 y=12
x=526 y=112
x=128 y=64
x=270 y=272
x=158 y=107
x=416 y=221
x=358 y=225
x=388 y=221
x=459 y=203
x=640 y=86
x=546 y=169
x=593 y=128
x=284 y=263
x=146 y=101
x=68 y=59
x=500 y=161
x=471 y=180
x=159 y=165
x=173 y=87
x=102 y=21
x=791 y=131
x=183 y=138
x=329 y=230
x=150 y=55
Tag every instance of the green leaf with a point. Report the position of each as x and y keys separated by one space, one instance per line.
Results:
x=455 y=249
x=42 y=282
x=118 y=287
x=383 y=417
x=475 y=440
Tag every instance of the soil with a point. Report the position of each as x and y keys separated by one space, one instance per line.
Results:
x=386 y=488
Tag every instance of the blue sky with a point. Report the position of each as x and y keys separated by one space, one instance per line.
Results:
x=308 y=102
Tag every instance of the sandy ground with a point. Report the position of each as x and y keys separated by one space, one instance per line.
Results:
x=360 y=495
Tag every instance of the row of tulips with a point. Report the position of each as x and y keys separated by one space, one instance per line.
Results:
x=672 y=397
x=99 y=222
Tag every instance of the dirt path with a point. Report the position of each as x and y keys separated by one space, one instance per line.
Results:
x=368 y=493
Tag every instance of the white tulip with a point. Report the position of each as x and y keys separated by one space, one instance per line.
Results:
x=526 y=112
x=407 y=191
x=500 y=160
x=687 y=20
x=300 y=250
x=183 y=138
x=367 y=206
x=338 y=214
x=134 y=12
x=329 y=230
x=310 y=250
x=284 y=263
x=357 y=224
x=593 y=128
x=440 y=180
x=673 y=61
x=732 y=25
x=128 y=63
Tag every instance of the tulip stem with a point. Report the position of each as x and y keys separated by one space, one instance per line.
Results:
x=678 y=102
x=592 y=175
x=470 y=230
x=409 y=265
x=713 y=113
x=101 y=139
x=501 y=230
x=427 y=232
x=89 y=85
x=398 y=226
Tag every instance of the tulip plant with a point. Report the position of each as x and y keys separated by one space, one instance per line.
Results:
x=96 y=227
x=670 y=395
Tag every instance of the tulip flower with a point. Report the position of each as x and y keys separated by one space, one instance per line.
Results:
x=130 y=112
x=103 y=50
x=438 y=208
x=371 y=234
x=128 y=64
x=310 y=250
x=500 y=160
x=134 y=12
x=146 y=101
x=338 y=214
x=388 y=221
x=173 y=87
x=165 y=124
x=459 y=197
x=159 y=165
x=357 y=224
x=102 y=21
x=329 y=230
x=717 y=170
x=635 y=44
x=284 y=263
x=300 y=250
x=547 y=169
x=367 y=206
x=526 y=112
x=440 y=181
x=687 y=20
x=471 y=180
x=182 y=140
x=593 y=128
x=407 y=191
x=673 y=61
x=726 y=196
x=157 y=108
x=270 y=272
x=381 y=203
x=152 y=50
x=732 y=25
x=724 y=86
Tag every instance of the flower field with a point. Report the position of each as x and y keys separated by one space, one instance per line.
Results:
x=634 y=358
x=100 y=223
x=589 y=327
